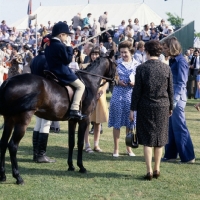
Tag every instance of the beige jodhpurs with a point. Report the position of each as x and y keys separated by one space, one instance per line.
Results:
x=80 y=88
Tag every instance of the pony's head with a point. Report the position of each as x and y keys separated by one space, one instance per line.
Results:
x=111 y=68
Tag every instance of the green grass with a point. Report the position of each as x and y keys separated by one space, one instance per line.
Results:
x=108 y=178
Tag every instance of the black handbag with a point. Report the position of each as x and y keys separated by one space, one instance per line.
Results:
x=131 y=139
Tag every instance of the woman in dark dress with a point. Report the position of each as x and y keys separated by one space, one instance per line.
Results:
x=152 y=98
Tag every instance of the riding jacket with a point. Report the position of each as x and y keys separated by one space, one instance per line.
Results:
x=58 y=57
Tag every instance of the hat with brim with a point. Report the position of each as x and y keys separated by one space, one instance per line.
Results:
x=59 y=28
x=86 y=27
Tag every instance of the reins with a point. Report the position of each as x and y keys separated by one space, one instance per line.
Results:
x=92 y=74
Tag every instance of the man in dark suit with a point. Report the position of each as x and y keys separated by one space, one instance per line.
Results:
x=110 y=45
x=195 y=63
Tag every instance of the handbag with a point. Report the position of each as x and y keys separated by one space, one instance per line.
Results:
x=131 y=139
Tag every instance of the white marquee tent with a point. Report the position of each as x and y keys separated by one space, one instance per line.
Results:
x=116 y=13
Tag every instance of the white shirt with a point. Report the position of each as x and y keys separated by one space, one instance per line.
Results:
x=136 y=28
x=145 y=34
x=197 y=63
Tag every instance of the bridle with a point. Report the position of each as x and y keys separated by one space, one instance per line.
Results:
x=111 y=72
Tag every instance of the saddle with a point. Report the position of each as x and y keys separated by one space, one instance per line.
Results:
x=70 y=89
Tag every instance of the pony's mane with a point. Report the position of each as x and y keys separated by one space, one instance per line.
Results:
x=94 y=64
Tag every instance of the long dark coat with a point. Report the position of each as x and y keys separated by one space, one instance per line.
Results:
x=39 y=64
x=152 y=98
x=58 y=57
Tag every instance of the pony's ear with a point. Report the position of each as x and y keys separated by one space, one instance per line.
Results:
x=110 y=53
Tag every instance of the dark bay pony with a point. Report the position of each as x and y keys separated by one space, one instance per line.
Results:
x=25 y=95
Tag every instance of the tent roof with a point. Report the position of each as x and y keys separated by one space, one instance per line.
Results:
x=116 y=13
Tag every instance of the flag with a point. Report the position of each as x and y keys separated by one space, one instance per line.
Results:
x=29 y=11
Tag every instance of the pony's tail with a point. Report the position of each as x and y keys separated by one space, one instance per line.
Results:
x=2 y=100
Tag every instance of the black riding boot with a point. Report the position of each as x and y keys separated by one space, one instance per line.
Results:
x=42 y=146
x=76 y=114
x=35 y=144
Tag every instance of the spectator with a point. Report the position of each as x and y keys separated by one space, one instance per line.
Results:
x=4 y=27
x=195 y=63
x=77 y=21
x=121 y=96
x=49 y=27
x=96 y=28
x=130 y=38
x=100 y=114
x=121 y=28
x=26 y=39
x=32 y=39
x=121 y=38
x=103 y=20
x=12 y=37
x=44 y=31
x=145 y=33
x=152 y=26
x=154 y=105
x=179 y=137
x=154 y=34
x=14 y=30
x=136 y=29
x=130 y=23
x=140 y=55
x=27 y=32
x=102 y=48
x=129 y=31
x=95 y=42
x=110 y=45
x=77 y=56
x=28 y=57
x=160 y=28
x=20 y=38
x=85 y=31
x=86 y=21
x=1 y=35
x=5 y=35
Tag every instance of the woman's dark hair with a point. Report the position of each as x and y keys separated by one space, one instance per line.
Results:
x=153 y=47
x=95 y=50
x=126 y=44
x=79 y=53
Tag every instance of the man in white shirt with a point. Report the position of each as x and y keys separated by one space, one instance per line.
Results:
x=102 y=48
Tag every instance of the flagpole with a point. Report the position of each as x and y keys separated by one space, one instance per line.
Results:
x=36 y=37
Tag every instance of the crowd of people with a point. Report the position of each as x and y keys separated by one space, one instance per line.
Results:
x=144 y=82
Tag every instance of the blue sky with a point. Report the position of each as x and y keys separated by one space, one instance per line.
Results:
x=13 y=10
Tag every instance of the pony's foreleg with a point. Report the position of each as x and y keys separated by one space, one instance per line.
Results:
x=71 y=143
x=21 y=123
x=81 y=133
x=8 y=127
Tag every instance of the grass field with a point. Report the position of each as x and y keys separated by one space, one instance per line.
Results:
x=108 y=178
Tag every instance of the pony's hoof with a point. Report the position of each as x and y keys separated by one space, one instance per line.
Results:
x=20 y=181
x=3 y=179
x=71 y=168
x=83 y=170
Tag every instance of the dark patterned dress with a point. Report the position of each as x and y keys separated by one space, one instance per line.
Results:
x=152 y=98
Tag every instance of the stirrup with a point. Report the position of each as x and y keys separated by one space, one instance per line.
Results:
x=75 y=114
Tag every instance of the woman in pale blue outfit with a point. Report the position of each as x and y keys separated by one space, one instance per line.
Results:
x=197 y=95
x=121 y=96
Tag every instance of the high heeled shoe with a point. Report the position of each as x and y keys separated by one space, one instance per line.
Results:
x=148 y=176
x=156 y=174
